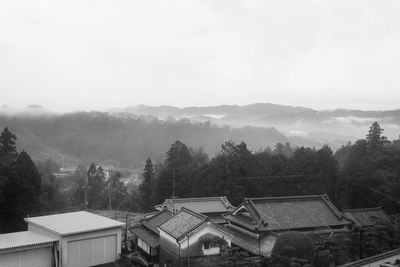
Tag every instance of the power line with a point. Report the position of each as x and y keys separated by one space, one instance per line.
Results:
x=279 y=176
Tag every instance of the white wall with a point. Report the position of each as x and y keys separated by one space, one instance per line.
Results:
x=27 y=257
x=89 y=240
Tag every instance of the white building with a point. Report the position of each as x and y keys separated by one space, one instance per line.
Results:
x=80 y=239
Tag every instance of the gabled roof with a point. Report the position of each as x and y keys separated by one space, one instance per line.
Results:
x=367 y=216
x=200 y=205
x=148 y=229
x=182 y=223
x=74 y=222
x=287 y=213
x=156 y=220
x=186 y=222
x=23 y=239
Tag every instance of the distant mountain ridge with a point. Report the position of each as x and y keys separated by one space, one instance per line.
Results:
x=329 y=125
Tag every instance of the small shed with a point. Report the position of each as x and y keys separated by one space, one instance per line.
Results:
x=84 y=238
x=26 y=249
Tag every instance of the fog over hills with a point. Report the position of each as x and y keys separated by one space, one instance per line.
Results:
x=327 y=125
x=127 y=136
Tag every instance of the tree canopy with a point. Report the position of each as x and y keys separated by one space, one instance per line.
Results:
x=20 y=185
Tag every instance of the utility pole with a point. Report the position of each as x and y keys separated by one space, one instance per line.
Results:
x=126 y=232
x=85 y=188
x=173 y=183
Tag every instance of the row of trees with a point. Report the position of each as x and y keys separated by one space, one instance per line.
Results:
x=189 y=173
x=363 y=174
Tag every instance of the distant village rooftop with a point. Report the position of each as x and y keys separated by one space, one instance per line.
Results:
x=367 y=216
x=73 y=222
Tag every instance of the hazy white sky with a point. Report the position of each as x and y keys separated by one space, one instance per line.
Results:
x=69 y=54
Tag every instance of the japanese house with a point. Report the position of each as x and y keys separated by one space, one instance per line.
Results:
x=188 y=238
x=257 y=222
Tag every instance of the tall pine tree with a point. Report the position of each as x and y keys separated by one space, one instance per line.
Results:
x=8 y=150
x=374 y=136
x=146 y=188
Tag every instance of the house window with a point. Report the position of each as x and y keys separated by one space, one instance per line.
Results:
x=209 y=249
x=168 y=263
x=143 y=245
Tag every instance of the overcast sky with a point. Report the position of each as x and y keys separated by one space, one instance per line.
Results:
x=67 y=54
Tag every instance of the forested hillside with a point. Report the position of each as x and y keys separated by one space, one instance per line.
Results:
x=127 y=140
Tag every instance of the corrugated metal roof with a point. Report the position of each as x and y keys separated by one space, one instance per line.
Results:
x=374 y=259
x=367 y=216
x=182 y=223
x=74 y=222
x=23 y=239
x=200 y=205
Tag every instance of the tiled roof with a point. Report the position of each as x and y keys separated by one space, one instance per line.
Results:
x=182 y=223
x=366 y=217
x=74 y=222
x=286 y=213
x=156 y=220
x=200 y=205
x=23 y=239
x=151 y=238
x=251 y=244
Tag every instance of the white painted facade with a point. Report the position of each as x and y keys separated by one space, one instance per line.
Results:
x=85 y=249
x=193 y=240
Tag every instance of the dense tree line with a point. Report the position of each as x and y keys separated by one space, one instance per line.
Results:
x=189 y=173
x=370 y=173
